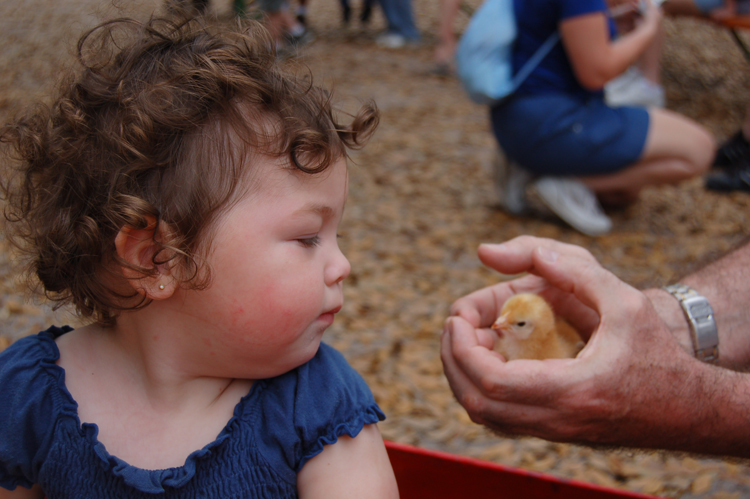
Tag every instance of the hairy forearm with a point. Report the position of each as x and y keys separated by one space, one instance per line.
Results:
x=686 y=406
x=726 y=285
x=713 y=413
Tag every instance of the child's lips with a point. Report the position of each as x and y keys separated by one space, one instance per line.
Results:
x=328 y=317
x=334 y=310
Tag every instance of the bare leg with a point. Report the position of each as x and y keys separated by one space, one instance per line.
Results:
x=676 y=149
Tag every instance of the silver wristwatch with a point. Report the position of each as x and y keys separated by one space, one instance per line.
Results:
x=700 y=318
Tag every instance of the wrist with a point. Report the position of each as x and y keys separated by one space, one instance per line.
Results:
x=670 y=312
x=701 y=321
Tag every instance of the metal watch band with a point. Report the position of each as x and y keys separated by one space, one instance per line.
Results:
x=701 y=321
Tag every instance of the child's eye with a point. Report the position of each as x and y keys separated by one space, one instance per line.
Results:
x=309 y=242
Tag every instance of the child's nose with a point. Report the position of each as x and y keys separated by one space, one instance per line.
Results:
x=338 y=268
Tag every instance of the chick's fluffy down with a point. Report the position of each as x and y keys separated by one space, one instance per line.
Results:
x=529 y=329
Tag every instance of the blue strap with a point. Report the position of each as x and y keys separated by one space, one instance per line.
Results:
x=532 y=63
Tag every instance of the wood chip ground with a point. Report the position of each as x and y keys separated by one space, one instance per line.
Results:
x=420 y=203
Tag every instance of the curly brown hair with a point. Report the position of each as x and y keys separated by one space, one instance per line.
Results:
x=162 y=123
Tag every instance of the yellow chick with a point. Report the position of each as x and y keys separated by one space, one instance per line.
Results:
x=528 y=329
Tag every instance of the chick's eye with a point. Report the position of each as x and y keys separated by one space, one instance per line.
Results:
x=309 y=242
x=521 y=324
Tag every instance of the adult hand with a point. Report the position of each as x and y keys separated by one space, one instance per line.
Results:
x=631 y=385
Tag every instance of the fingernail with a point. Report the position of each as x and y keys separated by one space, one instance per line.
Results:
x=448 y=325
x=495 y=246
x=548 y=255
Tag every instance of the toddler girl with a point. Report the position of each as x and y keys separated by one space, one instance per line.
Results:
x=184 y=194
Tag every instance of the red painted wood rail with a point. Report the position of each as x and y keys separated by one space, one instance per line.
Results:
x=427 y=474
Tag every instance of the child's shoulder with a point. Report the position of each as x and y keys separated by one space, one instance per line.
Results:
x=33 y=395
x=30 y=377
x=314 y=404
x=329 y=372
x=28 y=355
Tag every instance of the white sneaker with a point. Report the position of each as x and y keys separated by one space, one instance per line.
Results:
x=391 y=40
x=633 y=89
x=575 y=203
x=510 y=185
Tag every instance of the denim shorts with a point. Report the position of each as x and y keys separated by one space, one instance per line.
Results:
x=558 y=134
x=707 y=6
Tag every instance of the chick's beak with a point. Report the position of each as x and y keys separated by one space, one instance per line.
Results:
x=500 y=323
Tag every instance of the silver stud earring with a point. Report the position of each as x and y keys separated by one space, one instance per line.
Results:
x=161 y=286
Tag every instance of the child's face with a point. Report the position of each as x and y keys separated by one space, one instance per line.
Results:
x=277 y=274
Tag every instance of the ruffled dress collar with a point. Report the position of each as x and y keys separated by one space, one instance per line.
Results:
x=150 y=481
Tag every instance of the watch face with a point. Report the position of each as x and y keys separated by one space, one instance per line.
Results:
x=697 y=306
x=702 y=324
x=700 y=318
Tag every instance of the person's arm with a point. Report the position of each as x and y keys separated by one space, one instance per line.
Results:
x=596 y=58
x=352 y=467
x=726 y=285
x=446 y=47
x=34 y=492
x=632 y=385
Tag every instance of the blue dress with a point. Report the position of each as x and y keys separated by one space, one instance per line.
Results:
x=276 y=428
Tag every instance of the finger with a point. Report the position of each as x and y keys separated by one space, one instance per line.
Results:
x=486 y=338
x=482 y=307
x=531 y=409
x=516 y=381
x=467 y=394
x=479 y=307
x=514 y=256
x=582 y=317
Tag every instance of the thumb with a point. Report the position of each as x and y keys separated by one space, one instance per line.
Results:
x=585 y=278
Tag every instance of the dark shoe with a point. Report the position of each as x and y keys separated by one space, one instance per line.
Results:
x=734 y=153
x=736 y=180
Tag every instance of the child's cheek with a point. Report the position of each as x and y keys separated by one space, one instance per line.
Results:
x=272 y=312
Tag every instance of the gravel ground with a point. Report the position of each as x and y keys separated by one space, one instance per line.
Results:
x=420 y=203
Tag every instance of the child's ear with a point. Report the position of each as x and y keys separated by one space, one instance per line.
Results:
x=137 y=248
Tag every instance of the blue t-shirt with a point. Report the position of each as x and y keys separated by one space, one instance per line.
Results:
x=537 y=20
x=276 y=428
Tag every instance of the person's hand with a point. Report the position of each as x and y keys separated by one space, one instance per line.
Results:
x=624 y=13
x=651 y=15
x=482 y=307
x=620 y=8
x=626 y=387
x=445 y=52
